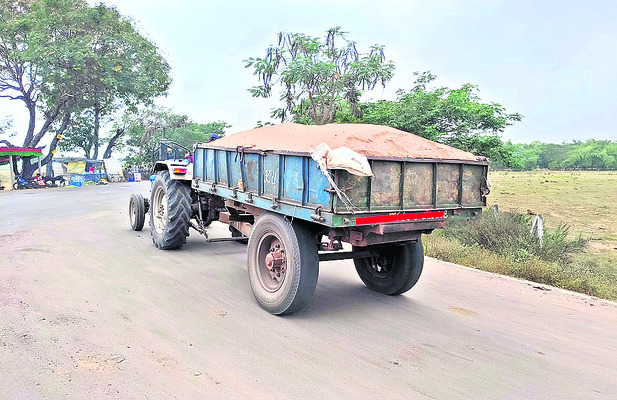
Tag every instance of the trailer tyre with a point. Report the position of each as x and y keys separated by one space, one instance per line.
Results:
x=283 y=265
x=137 y=211
x=394 y=269
x=170 y=212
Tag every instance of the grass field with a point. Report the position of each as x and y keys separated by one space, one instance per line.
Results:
x=585 y=201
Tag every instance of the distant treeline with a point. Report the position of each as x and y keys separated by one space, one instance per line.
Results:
x=592 y=154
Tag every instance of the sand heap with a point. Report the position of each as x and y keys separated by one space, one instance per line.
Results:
x=369 y=140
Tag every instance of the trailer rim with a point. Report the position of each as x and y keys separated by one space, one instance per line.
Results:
x=272 y=260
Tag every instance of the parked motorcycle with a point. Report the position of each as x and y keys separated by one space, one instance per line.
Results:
x=21 y=183
x=55 y=181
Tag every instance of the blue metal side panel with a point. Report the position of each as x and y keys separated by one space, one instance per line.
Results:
x=221 y=166
x=271 y=175
x=198 y=163
x=293 y=185
x=251 y=172
x=235 y=169
x=317 y=182
x=291 y=210
x=210 y=168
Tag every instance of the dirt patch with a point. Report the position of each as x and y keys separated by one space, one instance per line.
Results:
x=463 y=311
x=369 y=140
x=100 y=363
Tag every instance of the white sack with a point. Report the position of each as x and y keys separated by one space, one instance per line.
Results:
x=112 y=166
x=57 y=168
x=341 y=158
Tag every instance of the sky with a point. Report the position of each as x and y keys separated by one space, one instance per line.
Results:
x=554 y=62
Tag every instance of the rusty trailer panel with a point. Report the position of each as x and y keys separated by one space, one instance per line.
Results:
x=408 y=186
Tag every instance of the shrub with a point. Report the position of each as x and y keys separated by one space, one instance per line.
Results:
x=589 y=273
x=508 y=234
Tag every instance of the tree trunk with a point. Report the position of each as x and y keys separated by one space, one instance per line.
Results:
x=29 y=167
x=112 y=142
x=97 y=122
x=313 y=108
x=31 y=106
x=50 y=118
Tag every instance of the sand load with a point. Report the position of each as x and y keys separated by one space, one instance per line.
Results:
x=368 y=140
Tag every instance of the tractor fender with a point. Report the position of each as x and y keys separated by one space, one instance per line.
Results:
x=179 y=170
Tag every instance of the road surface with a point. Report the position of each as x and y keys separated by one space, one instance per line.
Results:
x=91 y=310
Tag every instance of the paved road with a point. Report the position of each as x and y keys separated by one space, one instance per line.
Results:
x=90 y=309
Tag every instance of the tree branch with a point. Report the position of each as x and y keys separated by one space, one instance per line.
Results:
x=50 y=118
x=9 y=144
x=54 y=142
x=112 y=142
x=7 y=96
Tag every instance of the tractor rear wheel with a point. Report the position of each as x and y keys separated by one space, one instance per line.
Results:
x=170 y=212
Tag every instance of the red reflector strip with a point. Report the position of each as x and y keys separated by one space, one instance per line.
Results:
x=380 y=219
x=179 y=170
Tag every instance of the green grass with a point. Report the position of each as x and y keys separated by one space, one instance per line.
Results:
x=580 y=212
x=586 y=201
x=590 y=273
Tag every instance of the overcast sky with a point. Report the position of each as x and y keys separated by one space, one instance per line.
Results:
x=552 y=61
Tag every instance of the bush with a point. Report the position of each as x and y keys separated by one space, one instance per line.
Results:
x=589 y=273
x=508 y=234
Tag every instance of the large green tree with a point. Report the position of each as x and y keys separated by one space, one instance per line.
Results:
x=315 y=74
x=62 y=57
x=457 y=117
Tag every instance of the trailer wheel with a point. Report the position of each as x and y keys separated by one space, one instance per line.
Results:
x=394 y=269
x=137 y=211
x=170 y=212
x=283 y=264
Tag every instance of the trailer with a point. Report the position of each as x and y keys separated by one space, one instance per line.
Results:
x=282 y=188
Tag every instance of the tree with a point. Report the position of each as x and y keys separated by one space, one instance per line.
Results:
x=456 y=117
x=122 y=67
x=62 y=57
x=316 y=74
x=6 y=127
x=591 y=154
x=146 y=128
x=35 y=43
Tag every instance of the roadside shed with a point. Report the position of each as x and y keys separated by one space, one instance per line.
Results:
x=10 y=154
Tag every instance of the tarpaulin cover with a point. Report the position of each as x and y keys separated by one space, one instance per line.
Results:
x=76 y=167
